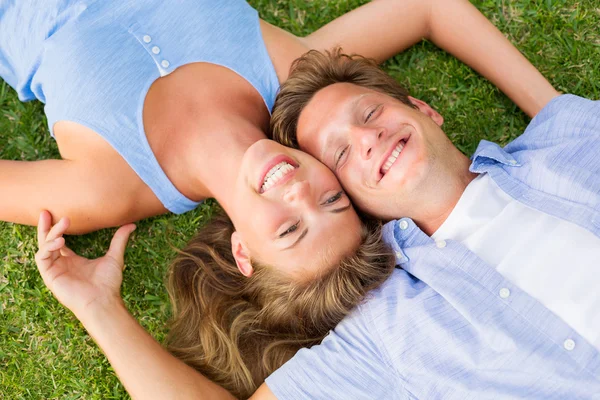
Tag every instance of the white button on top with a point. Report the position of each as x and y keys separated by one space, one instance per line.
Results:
x=513 y=162
x=440 y=244
x=504 y=293
x=156 y=49
x=399 y=255
x=569 y=344
x=165 y=64
x=404 y=225
x=147 y=39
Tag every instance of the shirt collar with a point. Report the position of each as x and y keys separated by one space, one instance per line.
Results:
x=488 y=154
x=395 y=234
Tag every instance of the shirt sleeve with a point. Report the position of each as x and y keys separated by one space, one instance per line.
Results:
x=346 y=365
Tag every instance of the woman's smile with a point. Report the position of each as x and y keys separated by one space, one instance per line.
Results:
x=277 y=171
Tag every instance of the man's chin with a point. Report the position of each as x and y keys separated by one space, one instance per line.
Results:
x=377 y=211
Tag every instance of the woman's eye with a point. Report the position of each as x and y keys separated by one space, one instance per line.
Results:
x=289 y=230
x=334 y=198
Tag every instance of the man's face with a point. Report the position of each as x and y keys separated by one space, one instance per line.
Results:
x=391 y=158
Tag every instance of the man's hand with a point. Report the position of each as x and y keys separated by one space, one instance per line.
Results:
x=77 y=282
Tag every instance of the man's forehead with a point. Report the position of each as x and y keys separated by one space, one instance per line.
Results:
x=335 y=99
x=327 y=113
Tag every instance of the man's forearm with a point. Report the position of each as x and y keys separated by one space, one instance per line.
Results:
x=144 y=367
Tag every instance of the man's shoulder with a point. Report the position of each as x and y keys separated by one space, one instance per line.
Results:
x=353 y=356
x=381 y=307
x=385 y=308
x=565 y=115
x=569 y=102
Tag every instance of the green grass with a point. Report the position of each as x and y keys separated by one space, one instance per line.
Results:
x=45 y=353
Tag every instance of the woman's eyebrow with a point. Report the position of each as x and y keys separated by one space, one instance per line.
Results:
x=341 y=209
x=302 y=235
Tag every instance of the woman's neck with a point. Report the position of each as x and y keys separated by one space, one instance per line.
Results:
x=218 y=166
x=214 y=116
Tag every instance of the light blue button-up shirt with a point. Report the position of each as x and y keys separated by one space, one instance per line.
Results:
x=449 y=326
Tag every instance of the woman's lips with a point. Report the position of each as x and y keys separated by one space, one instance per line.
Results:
x=284 y=171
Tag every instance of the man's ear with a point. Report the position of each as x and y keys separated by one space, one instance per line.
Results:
x=427 y=110
x=241 y=254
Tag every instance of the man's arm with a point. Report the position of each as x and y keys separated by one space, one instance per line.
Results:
x=383 y=28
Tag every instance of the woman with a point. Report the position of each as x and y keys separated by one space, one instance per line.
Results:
x=139 y=94
x=237 y=330
x=248 y=292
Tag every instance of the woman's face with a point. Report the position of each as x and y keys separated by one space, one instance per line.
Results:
x=290 y=213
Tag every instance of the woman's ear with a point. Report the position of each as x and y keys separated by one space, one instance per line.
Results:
x=241 y=254
x=427 y=110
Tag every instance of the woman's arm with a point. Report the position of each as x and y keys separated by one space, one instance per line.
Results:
x=144 y=367
x=383 y=28
x=92 y=184
x=91 y=290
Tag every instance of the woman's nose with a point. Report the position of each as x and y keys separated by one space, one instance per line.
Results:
x=297 y=191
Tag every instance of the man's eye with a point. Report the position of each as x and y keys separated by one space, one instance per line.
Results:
x=371 y=114
x=340 y=156
x=289 y=230
x=334 y=198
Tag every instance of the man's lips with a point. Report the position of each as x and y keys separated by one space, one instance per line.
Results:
x=380 y=174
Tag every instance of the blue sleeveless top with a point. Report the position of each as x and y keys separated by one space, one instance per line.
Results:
x=93 y=62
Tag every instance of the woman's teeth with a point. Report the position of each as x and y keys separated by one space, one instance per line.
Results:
x=275 y=174
x=392 y=158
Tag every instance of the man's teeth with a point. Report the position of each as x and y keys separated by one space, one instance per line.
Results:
x=392 y=158
x=275 y=174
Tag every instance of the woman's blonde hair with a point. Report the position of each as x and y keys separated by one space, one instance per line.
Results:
x=316 y=70
x=237 y=330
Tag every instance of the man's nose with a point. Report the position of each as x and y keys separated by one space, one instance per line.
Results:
x=298 y=191
x=366 y=138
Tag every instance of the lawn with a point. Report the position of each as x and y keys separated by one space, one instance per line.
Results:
x=45 y=353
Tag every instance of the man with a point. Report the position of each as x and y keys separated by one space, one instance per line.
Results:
x=497 y=296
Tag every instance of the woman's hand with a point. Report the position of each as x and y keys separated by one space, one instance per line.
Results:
x=90 y=288
x=77 y=282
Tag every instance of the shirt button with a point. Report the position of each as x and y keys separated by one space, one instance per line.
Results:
x=440 y=244
x=156 y=49
x=404 y=225
x=399 y=255
x=569 y=344
x=165 y=64
x=147 y=39
x=512 y=162
x=504 y=293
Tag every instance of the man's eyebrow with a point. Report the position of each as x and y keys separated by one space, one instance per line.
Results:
x=297 y=240
x=358 y=99
x=341 y=209
x=325 y=148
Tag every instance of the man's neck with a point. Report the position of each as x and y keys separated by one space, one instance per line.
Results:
x=431 y=222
